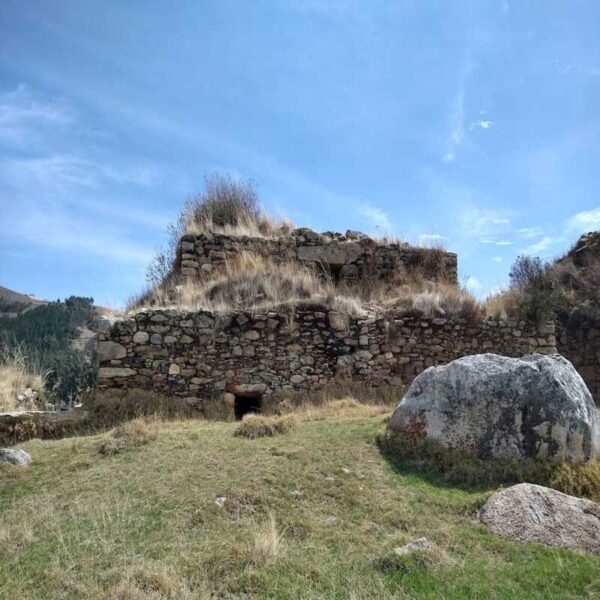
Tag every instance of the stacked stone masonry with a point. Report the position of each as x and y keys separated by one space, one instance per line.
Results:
x=582 y=347
x=346 y=258
x=204 y=355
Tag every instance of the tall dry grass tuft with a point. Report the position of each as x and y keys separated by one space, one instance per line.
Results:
x=256 y=426
x=251 y=282
x=127 y=436
x=432 y=299
x=16 y=376
x=230 y=207
x=267 y=543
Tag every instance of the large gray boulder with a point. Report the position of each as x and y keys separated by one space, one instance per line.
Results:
x=532 y=513
x=536 y=406
x=17 y=457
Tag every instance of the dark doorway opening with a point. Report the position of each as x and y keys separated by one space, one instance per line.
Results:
x=246 y=404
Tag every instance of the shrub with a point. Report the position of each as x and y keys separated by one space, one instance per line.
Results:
x=462 y=467
x=255 y=426
x=540 y=295
x=127 y=436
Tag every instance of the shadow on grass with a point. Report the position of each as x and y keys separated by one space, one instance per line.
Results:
x=445 y=467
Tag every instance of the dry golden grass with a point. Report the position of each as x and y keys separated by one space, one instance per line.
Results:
x=250 y=282
x=150 y=582
x=230 y=207
x=338 y=408
x=431 y=298
x=267 y=543
x=255 y=426
x=503 y=305
x=127 y=436
x=15 y=377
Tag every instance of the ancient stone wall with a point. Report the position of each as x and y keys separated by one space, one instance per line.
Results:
x=209 y=356
x=581 y=345
x=346 y=258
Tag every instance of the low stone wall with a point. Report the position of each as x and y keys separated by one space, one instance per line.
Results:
x=581 y=345
x=209 y=356
x=347 y=258
x=20 y=426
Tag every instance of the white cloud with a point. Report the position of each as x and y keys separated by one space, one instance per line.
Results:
x=473 y=285
x=497 y=242
x=540 y=246
x=530 y=232
x=582 y=222
x=482 y=124
x=378 y=217
x=497 y=259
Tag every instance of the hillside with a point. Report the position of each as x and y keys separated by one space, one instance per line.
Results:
x=14 y=303
x=188 y=516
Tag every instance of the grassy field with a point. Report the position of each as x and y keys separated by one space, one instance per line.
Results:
x=316 y=512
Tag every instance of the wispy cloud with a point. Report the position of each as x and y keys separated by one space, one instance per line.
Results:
x=22 y=115
x=530 y=232
x=539 y=247
x=497 y=242
x=378 y=217
x=483 y=223
x=584 y=221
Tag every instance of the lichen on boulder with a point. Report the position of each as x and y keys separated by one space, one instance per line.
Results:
x=499 y=407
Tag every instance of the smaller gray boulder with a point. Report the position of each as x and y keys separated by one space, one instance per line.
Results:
x=14 y=457
x=532 y=513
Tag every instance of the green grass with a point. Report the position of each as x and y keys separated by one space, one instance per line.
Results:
x=144 y=523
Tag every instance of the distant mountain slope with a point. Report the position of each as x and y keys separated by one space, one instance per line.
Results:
x=13 y=303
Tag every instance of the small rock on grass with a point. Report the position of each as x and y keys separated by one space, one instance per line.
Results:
x=415 y=546
x=13 y=456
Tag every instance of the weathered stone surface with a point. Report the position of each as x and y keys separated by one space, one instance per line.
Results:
x=418 y=545
x=174 y=369
x=111 y=351
x=110 y=372
x=214 y=354
x=334 y=254
x=537 y=407
x=532 y=513
x=338 y=321
x=248 y=389
x=141 y=337
x=16 y=457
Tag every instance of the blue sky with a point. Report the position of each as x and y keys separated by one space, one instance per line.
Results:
x=471 y=123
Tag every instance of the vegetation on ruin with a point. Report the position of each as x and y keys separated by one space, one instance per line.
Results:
x=541 y=290
x=316 y=512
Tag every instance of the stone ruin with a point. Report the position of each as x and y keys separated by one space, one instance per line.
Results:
x=240 y=359
x=348 y=258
